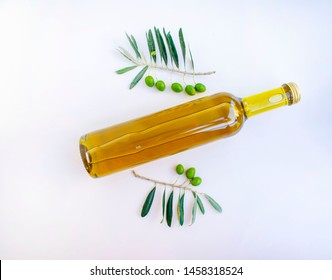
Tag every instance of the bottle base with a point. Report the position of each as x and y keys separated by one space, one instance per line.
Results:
x=86 y=158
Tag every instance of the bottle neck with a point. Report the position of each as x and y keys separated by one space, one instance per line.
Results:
x=287 y=94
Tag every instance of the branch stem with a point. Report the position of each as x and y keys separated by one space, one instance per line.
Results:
x=143 y=62
x=163 y=68
x=179 y=186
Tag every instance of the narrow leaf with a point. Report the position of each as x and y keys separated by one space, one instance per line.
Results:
x=126 y=54
x=172 y=49
x=161 y=46
x=168 y=44
x=153 y=50
x=151 y=45
x=163 y=205
x=133 y=44
x=213 y=203
x=169 y=209
x=199 y=202
x=183 y=46
x=134 y=41
x=126 y=69
x=194 y=211
x=200 y=205
x=148 y=202
x=178 y=206
x=181 y=210
x=191 y=60
x=138 y=77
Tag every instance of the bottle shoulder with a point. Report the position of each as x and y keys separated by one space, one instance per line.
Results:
x=223 y=97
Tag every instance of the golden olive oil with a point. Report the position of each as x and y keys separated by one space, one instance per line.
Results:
x=175 y=129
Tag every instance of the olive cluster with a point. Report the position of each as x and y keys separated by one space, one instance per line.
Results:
x=190 y=174
x=176 y=87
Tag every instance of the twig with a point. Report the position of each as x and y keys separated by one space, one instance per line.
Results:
x=175 y=70
x=165 y=183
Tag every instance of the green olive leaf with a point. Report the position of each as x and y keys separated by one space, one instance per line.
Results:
x=148 y=202
x=133 y=44
x=138 y=77
x=163 y=205
x=126 y=54
x=172 y=49
x=134 y=41
x=178 y=207
x=200 y=205
x=168 y=44
x=151 y=45
x=169 y=209
x=161 y=45
x=181 y=210
x=183 y=46
x=213 y=203
x=194 y=211
x=191 y=60
x=126 y=69
x=199 y=202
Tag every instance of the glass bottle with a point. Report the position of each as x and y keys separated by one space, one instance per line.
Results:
x=176 y=129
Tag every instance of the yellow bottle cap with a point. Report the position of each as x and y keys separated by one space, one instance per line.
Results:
x=293 y=93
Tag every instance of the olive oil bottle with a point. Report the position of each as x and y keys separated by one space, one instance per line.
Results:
x=176 y=129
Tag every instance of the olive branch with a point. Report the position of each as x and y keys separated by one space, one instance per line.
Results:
x=167 y=207
x=168 y=60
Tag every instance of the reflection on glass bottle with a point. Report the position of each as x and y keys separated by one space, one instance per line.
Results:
x=176 y=129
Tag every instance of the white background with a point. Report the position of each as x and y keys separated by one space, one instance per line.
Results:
x=57 y=82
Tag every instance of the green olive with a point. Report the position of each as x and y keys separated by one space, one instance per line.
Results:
x=190 y=173
x=200 y=87
x=149 y=81
x=190 y=90
x=196 y=181
x=160 y=85
x=176 y=87
x=179 y=169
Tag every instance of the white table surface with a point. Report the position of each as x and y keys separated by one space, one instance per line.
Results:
x=57 y=82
